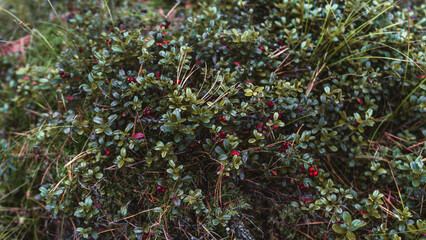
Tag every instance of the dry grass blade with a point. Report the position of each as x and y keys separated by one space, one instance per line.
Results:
x=80 y=155
x=312 y=83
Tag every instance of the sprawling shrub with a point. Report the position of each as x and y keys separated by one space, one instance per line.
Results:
x=257 y=119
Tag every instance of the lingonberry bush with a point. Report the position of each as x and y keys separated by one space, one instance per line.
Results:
x=241 y=119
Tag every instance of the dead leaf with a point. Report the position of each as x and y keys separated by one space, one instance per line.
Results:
x=19 y=46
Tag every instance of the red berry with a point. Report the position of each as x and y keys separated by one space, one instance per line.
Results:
x=147 y=111
x=145 y=236
x=164 y=42
x=157 y=75
x=63 y=76
x=123 y=114
x=300 y=109
x=356 y=123
x=360 y=101
x=235 y=153
x=222 y=134
x=262 y=48
x=213 y=139
x=198 y=62
x=270 y=104
x=423 y=77
x=107 y=152
x=316 y=173
x=163 y=190
x=311 y=169
x=311 y=174
x=363 y=212
x=158 y=188
x=80 y=49
x=138 y=135
x=237 y=63
x=275 y=126
x=61 y=72
x=159 y=44
x=70 y=98
x=267 y=66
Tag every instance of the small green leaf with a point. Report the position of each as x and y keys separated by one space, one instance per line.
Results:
x=338 y=229
x=350 y=235
x=347 y=218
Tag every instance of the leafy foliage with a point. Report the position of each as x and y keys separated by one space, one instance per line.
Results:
x=238 y=115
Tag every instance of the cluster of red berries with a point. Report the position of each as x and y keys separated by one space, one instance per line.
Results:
x=108 y=42
x=313 y=171
x=131 y=79
x=167 y=25
x=164 y=42
x=284 y=147
x=270 y=104
x=222 y=119
x=303 y=187
x=222 y=134
x=70 y=98
x=235 y=153
x=147 y=112
x=160 y=189
x=63 y=75
x=307 y=200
